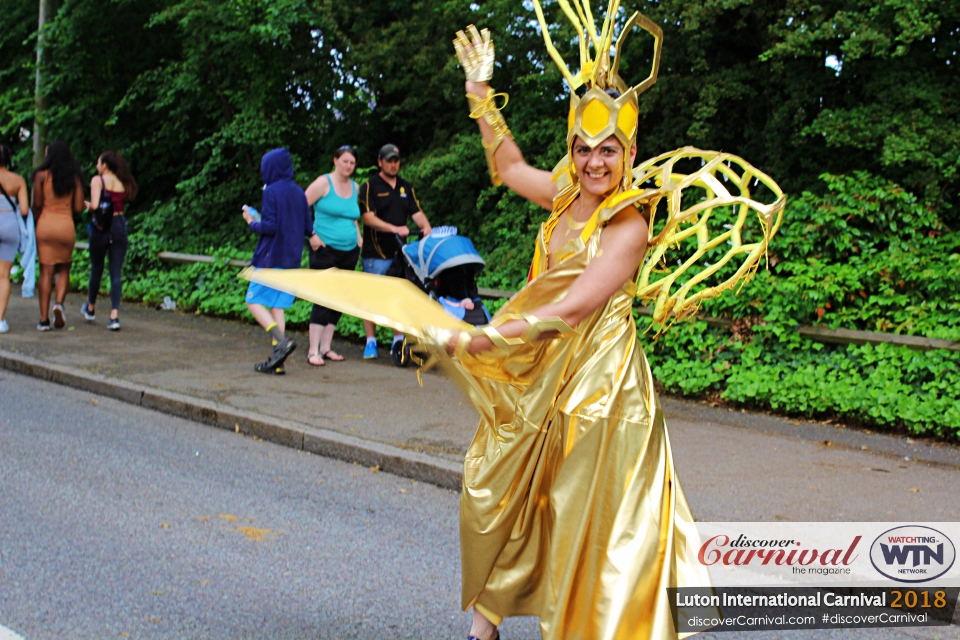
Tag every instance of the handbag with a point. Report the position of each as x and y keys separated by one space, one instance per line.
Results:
x=102 y=217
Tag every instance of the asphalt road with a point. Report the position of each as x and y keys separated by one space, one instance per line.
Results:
x=119 y=522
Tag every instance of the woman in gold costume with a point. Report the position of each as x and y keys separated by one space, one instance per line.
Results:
x=571 y=509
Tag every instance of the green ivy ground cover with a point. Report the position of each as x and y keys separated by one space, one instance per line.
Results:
x=204 y=288
x=883 y=386
x=867 y=255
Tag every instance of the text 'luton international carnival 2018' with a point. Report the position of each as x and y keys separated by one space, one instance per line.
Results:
x=818 y=575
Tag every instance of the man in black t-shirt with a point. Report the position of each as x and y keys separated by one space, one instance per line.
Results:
x=387 y=201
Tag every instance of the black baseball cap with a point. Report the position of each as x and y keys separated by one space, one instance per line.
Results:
x=389 y=151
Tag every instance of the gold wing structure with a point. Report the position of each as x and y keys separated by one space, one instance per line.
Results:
x=708 y=206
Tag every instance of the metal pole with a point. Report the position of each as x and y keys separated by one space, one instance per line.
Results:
x=40 y=100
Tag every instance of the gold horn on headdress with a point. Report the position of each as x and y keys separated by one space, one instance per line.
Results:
x=597 y=115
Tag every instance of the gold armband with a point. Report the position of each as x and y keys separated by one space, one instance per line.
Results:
x=463 y=343
x=539 y=326
x=488 y=109
x=497 y=339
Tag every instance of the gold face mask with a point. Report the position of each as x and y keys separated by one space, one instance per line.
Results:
x=597 y=115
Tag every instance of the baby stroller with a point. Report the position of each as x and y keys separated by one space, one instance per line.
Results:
x=445 y=265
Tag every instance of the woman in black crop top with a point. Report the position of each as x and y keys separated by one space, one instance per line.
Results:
x=114 y=181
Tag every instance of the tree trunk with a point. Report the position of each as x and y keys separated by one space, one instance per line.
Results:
x=40 y=100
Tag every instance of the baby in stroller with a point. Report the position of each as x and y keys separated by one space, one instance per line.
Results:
x=445 y=265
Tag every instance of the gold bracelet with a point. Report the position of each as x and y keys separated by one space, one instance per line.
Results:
x=464 y=338
x=487 y=109
x=539 y=326
x=498 y=340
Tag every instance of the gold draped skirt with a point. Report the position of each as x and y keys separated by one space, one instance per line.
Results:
x=571 y=509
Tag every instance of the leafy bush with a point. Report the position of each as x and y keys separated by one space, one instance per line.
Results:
x=884 y=386
x=867 y=255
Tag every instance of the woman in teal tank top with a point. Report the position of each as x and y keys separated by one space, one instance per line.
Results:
x=337 y=244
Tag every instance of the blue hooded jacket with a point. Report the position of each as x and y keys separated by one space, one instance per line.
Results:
x=285 y=215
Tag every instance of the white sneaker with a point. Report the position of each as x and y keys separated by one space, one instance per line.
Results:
x=4 y=327
x=59 y=318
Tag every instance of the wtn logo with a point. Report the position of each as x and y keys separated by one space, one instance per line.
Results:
x=897 y=554
x=912 y=554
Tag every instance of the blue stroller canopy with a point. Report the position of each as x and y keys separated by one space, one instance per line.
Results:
x=440 y=251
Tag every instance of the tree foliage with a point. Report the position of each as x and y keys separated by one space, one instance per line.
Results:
x=195 y=91
x=863 y=93
x=17 y=62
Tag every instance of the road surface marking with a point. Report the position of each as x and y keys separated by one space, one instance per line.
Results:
x=6 y=634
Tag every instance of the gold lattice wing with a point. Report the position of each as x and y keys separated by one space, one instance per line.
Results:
x=709 y=232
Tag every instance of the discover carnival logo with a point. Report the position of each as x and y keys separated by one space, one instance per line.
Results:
x=744 y=551
x=912 y=554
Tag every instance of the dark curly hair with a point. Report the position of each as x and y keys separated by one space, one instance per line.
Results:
x=63 y=167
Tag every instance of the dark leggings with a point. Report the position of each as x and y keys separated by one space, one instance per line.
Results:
x=115 y=243
x=326 y=258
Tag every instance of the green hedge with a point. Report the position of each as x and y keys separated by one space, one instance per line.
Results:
x=883 y=386
x=203 y=288
x=867 y=255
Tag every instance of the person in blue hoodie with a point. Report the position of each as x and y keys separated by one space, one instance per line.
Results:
x=282 y=223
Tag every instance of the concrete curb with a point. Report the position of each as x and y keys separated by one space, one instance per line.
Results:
x=330 y=444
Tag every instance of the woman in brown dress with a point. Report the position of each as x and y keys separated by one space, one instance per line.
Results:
x=57 y=195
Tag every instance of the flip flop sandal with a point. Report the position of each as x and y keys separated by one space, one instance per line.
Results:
x=326 y=355
x=315 y=355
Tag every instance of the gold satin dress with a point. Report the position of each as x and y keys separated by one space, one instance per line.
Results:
x=571 y=508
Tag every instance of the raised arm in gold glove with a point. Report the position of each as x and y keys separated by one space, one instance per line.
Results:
x=475 y=52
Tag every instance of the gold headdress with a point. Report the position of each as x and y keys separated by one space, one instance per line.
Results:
x=725 y=214
x=597 y=115
x=712 y=232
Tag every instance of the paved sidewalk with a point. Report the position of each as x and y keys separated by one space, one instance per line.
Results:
x=212 y=359
x=365 y=411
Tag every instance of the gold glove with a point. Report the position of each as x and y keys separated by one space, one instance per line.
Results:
x=475 y=54
x=463 y=344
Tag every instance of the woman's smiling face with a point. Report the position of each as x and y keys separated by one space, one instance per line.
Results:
x=601 y=168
